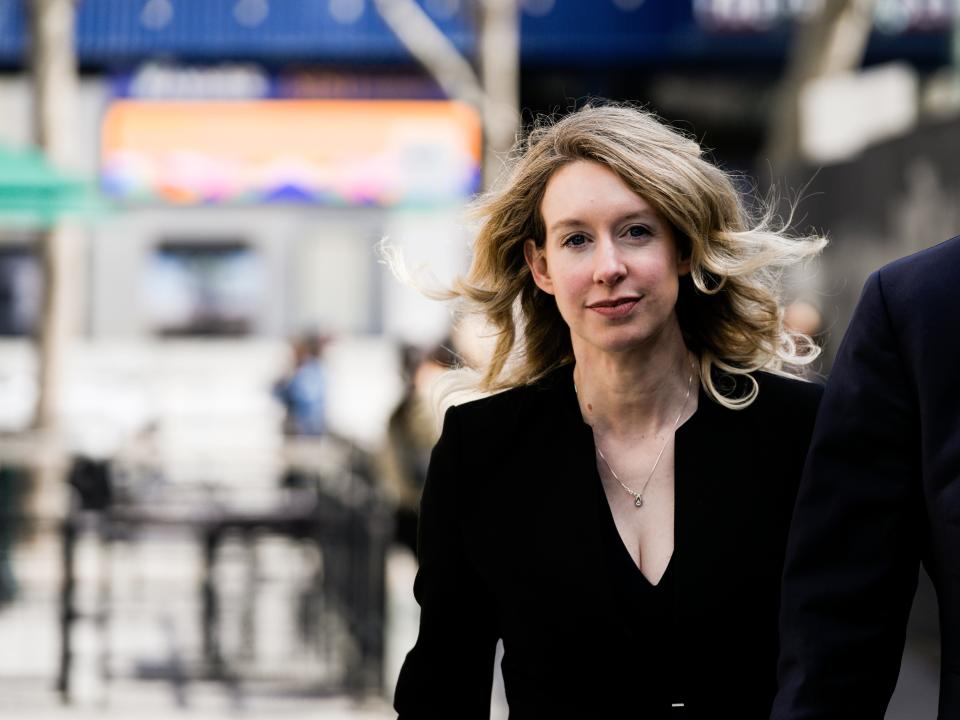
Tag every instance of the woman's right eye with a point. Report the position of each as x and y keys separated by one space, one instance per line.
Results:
x=576 y=240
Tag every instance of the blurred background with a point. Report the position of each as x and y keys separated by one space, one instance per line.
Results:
x=214 y=415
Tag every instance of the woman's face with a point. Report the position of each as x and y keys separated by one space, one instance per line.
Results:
x=609 y=258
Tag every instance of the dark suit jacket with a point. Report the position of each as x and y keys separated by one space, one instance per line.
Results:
x=510 y=547
x=880 y=492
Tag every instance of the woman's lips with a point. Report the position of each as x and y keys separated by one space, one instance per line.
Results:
x=615 y=308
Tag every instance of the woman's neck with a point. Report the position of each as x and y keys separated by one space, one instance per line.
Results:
x=635 y=393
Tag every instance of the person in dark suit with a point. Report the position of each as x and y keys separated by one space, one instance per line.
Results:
x=618 y=514
x=880 y=493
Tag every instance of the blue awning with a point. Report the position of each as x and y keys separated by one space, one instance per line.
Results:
x=553 y=32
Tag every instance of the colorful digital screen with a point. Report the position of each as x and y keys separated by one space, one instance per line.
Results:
x=329 y=152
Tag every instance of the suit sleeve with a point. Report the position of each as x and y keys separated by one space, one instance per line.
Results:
x=854 y=549
x=449 y=672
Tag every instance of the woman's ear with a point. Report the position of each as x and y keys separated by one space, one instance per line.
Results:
x=537 y=262
x=683 y=266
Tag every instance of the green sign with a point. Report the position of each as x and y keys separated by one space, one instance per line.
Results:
x=35 y=194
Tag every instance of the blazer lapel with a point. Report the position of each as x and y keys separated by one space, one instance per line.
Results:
x=704 y=444
x=565 y=511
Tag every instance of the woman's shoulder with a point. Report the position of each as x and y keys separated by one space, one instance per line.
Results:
x=780 y=388
x=776 y=428
x=488 y=437
x=789 y=389
x=787 y=399
x=488 y=412
x=512 y=404
x=774 y=390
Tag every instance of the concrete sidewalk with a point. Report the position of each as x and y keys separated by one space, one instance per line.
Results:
x=153 y=627
x=153 y=701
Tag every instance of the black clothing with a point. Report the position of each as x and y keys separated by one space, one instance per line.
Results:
x=512 y=545
x=880 y=493
x=647 y=612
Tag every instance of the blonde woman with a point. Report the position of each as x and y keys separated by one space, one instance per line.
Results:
x=618 y=514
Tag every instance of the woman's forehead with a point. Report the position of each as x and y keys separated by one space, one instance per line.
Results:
x=585 y=192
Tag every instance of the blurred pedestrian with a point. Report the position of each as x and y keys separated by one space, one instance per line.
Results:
x=803 y=317
x=303 y=390
x=880 y=493
x=411 y=434
x=13 y=482
x=618 y=515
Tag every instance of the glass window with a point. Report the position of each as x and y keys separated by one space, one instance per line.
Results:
x=203 y=288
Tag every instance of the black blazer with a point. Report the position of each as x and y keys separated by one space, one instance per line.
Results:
x=510 y=547
x=880 y=492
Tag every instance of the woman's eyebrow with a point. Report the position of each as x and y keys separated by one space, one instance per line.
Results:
x=566 y=223
x=643 y=215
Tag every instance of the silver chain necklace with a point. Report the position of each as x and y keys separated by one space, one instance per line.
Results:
x=638 y=496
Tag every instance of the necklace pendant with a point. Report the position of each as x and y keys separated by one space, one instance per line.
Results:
x=639 y=501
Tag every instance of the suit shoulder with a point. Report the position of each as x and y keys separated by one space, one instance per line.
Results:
x=946 y=252
x=928 y=276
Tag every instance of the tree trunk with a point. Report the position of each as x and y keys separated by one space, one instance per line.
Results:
x=54 y=69
x=827 y=42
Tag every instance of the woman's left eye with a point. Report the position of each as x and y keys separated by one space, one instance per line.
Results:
x=576 y=240
x=638 y=231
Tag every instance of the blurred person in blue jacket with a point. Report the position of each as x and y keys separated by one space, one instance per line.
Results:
x=303 y=391
x=412 y=432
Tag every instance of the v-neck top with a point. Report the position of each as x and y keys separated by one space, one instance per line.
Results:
x=649 y=611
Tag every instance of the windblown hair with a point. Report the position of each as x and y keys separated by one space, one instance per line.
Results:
x=729 y=306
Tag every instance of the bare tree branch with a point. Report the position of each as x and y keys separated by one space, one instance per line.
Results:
x=827 y=42
x=432 y=49
x=54 y=68
x=500 y=63
x=497 y=96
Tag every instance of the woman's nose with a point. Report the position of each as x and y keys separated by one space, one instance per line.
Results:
x=609 y=268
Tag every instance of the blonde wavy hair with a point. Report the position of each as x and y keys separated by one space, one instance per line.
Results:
x=729 y=306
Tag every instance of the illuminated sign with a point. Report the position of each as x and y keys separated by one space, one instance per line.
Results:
x=333 y=152
x=891 y=16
